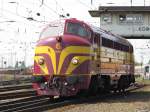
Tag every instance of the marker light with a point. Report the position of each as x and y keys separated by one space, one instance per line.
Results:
x=41 y=61
x=75 y=61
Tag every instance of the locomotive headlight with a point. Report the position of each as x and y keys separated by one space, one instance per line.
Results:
x=41 y=61
x=75 y=61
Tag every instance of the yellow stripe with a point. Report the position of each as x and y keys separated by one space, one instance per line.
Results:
x=72 y=66
x=40 y=74
x=50 y=52
x=71 y=50
x=43 y=67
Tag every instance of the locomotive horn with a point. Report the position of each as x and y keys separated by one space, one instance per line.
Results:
x=59 y=39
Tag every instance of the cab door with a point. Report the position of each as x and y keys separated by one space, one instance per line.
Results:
x=96 y=50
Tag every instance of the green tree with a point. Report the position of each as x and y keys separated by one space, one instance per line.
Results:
x=148 y=62
x=16 y=65
x=138 y=64
x=23 y=66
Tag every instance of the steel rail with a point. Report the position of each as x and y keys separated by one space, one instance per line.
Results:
x=18 y=101
x=25 y=102
x=45 y=104
x=18 y=81
x=37 y=105
x=17 y=94
x=15 y=87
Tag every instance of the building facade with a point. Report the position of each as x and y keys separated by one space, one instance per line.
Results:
x=127 y=21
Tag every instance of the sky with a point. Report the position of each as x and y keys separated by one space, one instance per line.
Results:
x=21 y=22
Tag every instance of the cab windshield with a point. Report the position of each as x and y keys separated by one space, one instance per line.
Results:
x=53 y=29
x=77 y=29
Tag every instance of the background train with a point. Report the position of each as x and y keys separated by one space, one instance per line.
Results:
x=73 y=56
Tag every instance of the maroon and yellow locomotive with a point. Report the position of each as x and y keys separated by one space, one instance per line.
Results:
x=72 y=56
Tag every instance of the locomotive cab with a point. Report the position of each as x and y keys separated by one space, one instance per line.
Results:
x=78 y=29
x=53 y=29
x=63 y=57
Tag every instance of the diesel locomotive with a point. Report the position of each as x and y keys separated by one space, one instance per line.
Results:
x=72 y=56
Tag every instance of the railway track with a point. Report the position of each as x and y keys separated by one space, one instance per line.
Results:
x=42 y=103
x=16 y=91
x=13 y=82
x=17 y=94
x=15 y=87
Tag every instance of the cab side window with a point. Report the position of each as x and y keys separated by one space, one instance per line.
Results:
x=78 y=29
x=82 y=32
x=72 y=29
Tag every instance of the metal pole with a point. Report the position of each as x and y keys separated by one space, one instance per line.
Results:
x=141 y=62
x=15 y=66
x=11 y=57
x=2 y=8
x=2 y=61
x=131 y=2
x=25 y=57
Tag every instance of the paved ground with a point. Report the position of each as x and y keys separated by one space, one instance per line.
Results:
x=137 y=101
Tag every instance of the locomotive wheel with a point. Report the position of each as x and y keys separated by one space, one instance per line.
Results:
x=123 y=90
x=93 y=88
x=83 y=93
x=106 y=84
x=121 y=83
x=51 y=98
x=115 y=90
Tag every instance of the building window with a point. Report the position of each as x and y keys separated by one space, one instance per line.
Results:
x=131 y=18
x=106 y=18
x=122 y=18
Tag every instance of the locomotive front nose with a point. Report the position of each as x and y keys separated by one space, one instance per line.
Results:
x=74 y=57
x=61 y=56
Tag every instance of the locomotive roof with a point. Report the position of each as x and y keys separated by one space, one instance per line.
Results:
x=109 y=35
x=105 y=34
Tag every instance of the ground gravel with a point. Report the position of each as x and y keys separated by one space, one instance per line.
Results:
x=137 y=101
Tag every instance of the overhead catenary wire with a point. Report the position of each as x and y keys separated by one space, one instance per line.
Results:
x=65 y=13
x=87 y=6
x=22 y=17
x=30 y=18
x=55 y=12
